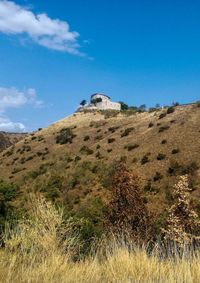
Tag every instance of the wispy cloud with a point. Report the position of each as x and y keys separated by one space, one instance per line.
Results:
x=14 y=98
x=51 y=33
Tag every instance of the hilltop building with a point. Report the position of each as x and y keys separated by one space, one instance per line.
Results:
x=99 y=101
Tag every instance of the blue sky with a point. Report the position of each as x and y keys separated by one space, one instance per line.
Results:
x=53 y=54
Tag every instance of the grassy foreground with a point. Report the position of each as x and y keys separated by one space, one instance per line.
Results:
x=42 y=249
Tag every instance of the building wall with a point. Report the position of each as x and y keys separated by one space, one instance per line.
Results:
x=105 y=104
x=108 y=105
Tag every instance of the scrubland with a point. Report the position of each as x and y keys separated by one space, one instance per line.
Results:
x=44 y=248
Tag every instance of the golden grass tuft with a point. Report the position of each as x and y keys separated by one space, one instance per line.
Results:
x=41 y=250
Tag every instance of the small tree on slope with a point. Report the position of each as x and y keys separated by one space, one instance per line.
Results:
x=127 y=212
x=183 y=225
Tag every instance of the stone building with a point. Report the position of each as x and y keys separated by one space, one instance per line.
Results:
x=100 y=101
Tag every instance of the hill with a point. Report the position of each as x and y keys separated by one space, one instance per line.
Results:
x=8 y=139
x=71 y=160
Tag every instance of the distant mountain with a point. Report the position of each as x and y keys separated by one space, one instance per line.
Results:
x=8 y=139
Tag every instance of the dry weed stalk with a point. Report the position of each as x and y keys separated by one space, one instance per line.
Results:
x=127 y=211
x=183 y=225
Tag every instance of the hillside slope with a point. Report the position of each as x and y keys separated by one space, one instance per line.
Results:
x=157 y=146
x=8 y=139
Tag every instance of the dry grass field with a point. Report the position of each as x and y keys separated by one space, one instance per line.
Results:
x=37 y=251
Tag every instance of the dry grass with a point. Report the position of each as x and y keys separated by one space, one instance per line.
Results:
x=34 y=253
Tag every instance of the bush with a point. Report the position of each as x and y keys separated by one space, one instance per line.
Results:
x=145 y=159
x=77 y=158
x=99 y=137
x=8 y=191
x=127 y=132
x=148 y=187
x=130 y=147
x=86 y=138
x=99 y=155
x=175 y=150
x=86 y=150
x=163 y=128
x=53 y=187
x=163 y=141
x=111 y=140
x=162 y=115
x=158 y=176
x=170 y=110
x=151 y=125
x=198 y=103
x=65 y=136
x=113 y=129
x=161 y=156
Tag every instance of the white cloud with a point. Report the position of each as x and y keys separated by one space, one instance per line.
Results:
x=8 y=126
x=51 y=33
x=14 y=98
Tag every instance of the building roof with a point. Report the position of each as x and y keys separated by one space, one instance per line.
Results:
x=100 y=94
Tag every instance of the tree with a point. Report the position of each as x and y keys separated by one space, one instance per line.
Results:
x=96 y=100
x=183 y=225
x=83 y=102
x=124 y=106
x=157 y=105
x=127 y=212
x=142 y=107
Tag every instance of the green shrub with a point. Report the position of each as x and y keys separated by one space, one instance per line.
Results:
x=99 y=137
x=151 y=124
x=130 y=147
x=86 y=138
x=86 y=150
x=158 y=176
x=65 y=136
x=163 y=128
x=99 y=155
x=111 y=140
x=162 y=115
x=148 y=187
x=8 y=191
x=30 y=157
x=198 y=103
x=127 y=132
x=161 y=156
x=77 y=158
x=52 y=187
x=163 y=141
x=182 y=169
x=175 y=150
x=170 y=110
x=113 y=129
x=145 y=159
